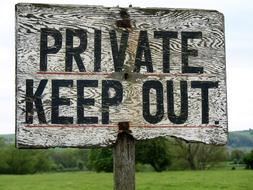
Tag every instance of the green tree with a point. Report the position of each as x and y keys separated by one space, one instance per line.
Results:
x=15 y=161
x=2 y=142
x=154 y=152
x=100 y=159
x=66 y=159
x=43 y=161
x=18 y=161
x=248 y=160
x=3 y=164
x=198 y=156
x=237 y=156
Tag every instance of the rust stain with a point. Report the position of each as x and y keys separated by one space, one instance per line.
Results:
x=124 y=127
x=125 y=22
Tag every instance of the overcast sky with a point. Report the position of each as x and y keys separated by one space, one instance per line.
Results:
x=239 y=51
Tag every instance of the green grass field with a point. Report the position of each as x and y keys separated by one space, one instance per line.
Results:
x=181 y=180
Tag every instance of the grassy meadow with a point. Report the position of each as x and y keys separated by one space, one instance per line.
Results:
x=172 y=180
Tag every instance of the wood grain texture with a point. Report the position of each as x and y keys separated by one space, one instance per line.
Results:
x=124 y=162
x=30 y=18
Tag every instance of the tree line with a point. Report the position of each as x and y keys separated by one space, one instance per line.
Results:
x=156 y=154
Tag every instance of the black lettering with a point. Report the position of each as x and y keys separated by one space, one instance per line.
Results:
x=58 y=101
x=75 y=51
x=97 y=51
x=158 y=87
x=166 y=35
x=110 y=101
x=204 y=86
x=44 y=49
x=143 y=48
x=81 y=101
x=36 y=98
x=189 y=52
x=118 y=53
x=184 y=103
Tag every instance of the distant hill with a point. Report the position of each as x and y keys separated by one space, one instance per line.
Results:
x=236 y=139
x=241 y=139
x=8 y=138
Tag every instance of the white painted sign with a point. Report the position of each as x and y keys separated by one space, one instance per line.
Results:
x=81 y=70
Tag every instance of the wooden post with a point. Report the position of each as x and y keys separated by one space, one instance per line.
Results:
x=124 y=162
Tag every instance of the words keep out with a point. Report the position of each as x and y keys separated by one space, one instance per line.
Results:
x=143 y=59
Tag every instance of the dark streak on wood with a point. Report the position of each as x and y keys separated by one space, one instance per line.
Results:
x=125 y=22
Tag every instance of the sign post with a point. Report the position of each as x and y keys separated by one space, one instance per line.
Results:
x=84 y=72
x=124 y=160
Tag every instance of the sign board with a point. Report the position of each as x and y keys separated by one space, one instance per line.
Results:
x=81 y=70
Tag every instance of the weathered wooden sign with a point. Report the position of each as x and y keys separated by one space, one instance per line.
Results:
x=81 y=70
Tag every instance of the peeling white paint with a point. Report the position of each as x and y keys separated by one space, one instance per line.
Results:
x=30 y=18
